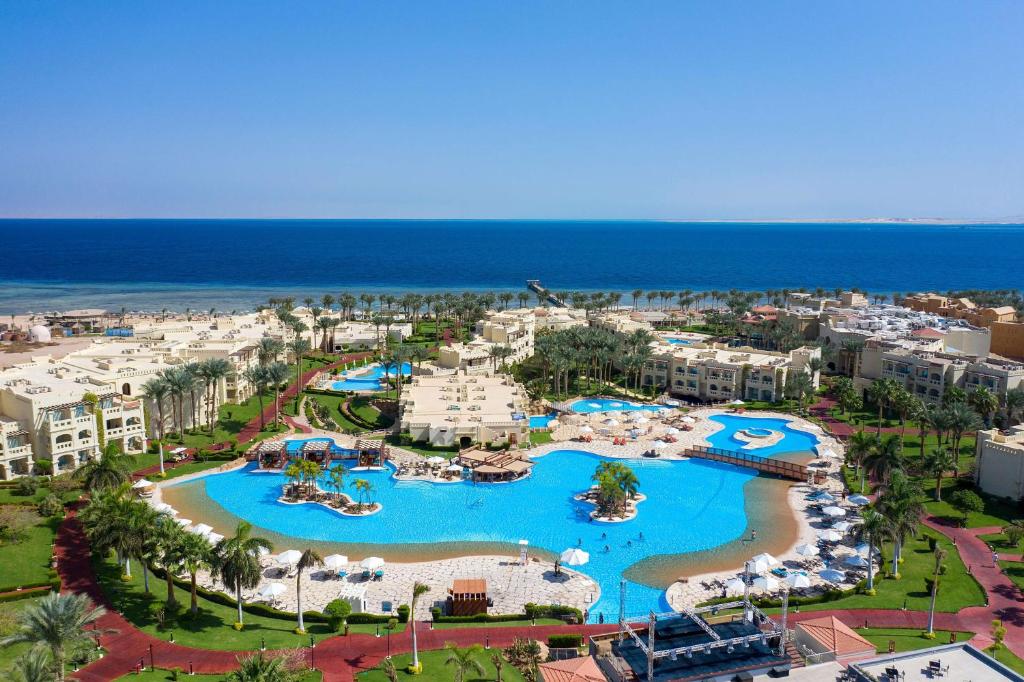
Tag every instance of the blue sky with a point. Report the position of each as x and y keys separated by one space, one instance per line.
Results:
x=512 y=109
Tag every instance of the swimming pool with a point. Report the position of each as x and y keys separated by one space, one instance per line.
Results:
x=590 y=405
x=680 y=342
x=367 y=378
x=793 y=440
x=541 y=421
x=294 y=447
x=691 y=506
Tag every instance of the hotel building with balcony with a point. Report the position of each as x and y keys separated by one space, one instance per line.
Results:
x=513 y=329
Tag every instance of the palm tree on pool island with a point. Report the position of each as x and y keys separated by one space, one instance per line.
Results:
x=58 y=623
x=237 y=561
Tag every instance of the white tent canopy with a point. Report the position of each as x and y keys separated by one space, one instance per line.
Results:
x=798 y=580
x=766 y=583
x=734 y=587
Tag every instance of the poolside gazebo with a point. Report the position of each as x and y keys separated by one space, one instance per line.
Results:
x=467 y=597
x=372 y=453
x=271 y=454
x=316 y=450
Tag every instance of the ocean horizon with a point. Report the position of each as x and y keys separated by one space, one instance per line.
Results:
x=151 y=264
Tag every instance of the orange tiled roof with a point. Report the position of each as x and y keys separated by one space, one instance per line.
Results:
x=582 y=669
x=836 y=636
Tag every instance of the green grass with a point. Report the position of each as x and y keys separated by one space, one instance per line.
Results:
x=333 y=403
x=435 y=670
x=191 y=468
x=958 y=589
x=1014 y=570
x=212 y=628
x=424 y=449
x=362 y=408
x=907 y=639
x=27 y=562
x=540 y=437
x=1007 y=658
x=8 y=613
x=998 y=512
x=1000 y=543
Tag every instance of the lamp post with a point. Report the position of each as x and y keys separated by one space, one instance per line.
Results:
x=311 y=645
x=152 y=665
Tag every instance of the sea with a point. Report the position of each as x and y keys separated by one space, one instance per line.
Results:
x=237 y=264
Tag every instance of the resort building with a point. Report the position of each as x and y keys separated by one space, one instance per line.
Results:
x=949 y=662
x=555 y=319
x=15 y=450
x=928 y=374
x=463 y=409
x=960 y=308
x=1008 y=339
x=620 y=322
x=511 y=329
x=999 y=463
x=717 y=372
x=64 y=415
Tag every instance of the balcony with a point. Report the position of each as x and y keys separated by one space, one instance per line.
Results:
x=19 y=451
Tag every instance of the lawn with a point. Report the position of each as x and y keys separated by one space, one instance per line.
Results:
x=958 y=589
x=212 y=628
x=27 y=562
x=907 y=639
x=424 y=449
x=540 y=437
x=1014 y=570
x=499 y=624
x=8 y=613
x=998 y=511
x=435 y=670
x=362 y=408
x=333 y=403
x=1007 y=658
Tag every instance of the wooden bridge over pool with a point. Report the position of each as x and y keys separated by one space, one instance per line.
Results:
x=765 y=465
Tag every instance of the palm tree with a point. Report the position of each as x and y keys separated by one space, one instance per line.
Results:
x=463 y=660
x=872 y=528
x=858 y=448
x=880 y=392
x=1013 y=403
x=268 y=349
x=35 y=665
x=58 y=622
x=299 y=347
x=363 y=487
x=277 y=374
x=213 y=371
x=337 y=477
x=309 y=559
x=984 y=402
x=179 y=382
x=237 y=561
x=194 y=553
x=157 y=391
x=962 y=419
x=939 y=556
x=498 y=661
x=885 y=458
x=798 y=385
x=937 y=463
x=902 y=507
x=418 y=590
x=106 y=472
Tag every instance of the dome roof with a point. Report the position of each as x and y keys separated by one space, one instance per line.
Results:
x=39 y=334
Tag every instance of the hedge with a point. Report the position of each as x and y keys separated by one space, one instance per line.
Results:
x=531 y=611
x=19 y=592
x=565 y=641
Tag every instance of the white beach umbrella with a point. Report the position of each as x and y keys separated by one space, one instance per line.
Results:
x=833 y=511
x=807 y=549
x=672 y=403
x=524 y=543
x=613 y=414
x=554 y=424
x=634 y=432
x=830 y=536
x=574 y=556
x=453 y=468
x=289 y=557
x=737 y=402
x=760 y=565
x=639 y=419
x=659 y=444
x=610 y=422
x=798 y=580
x=435 y=460
x=183 y=522
x=142 y=483
x=764 y=556
x=734 y=586
x=671 y=431
x=856 y=561
x=862 y=549
x=201 y=529
x=858 y=500
x=164 y=508
x=664 y=411
x=765 y=583
x=827 y=452
x=335 y=561
x=273 y=590
x=262 y=551
x=372 y=563
x=689 y=420
x=823 y=496
x=214 y=538
x=842 y=526
x=586 y=429
x=833 y=576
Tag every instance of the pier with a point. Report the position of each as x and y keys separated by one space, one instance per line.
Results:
x=767 y=465
x=536 y=287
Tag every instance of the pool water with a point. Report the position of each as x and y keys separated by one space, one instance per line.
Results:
x=294 y=447
x=793 y=440
x=691 y=506
x=680 y=342
x=591 y=405
x=367 y=378
x=541 y=421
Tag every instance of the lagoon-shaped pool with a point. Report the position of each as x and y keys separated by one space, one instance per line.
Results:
x=590 y=405
x=367 y=378
x=691 y=506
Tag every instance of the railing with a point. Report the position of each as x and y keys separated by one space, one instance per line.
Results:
x=797 y=472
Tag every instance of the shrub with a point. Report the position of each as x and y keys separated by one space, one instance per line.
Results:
x=51 y=506
x=44 y=466
x=337 y=611
x=27 y=486
x=565 y=641
x=403 y=613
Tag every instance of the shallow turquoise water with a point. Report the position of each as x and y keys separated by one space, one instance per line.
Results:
x=691 y=506
x=367 y=379
x=589 y=405
x=793 y=440
x=541 y=421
